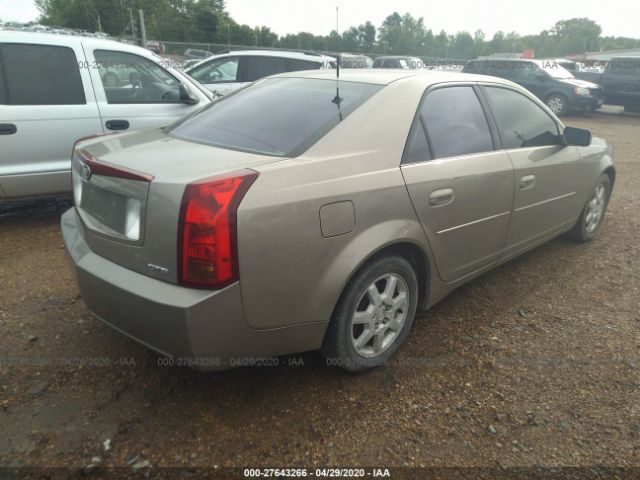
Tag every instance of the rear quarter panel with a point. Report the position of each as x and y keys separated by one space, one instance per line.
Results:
x=289 y=272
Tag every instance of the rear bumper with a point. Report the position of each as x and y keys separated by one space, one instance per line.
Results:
x=197 y=328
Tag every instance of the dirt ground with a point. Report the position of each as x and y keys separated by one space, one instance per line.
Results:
x=533 y=364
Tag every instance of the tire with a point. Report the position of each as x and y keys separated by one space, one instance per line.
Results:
x=587 y=227
x=558 y=104
x=380 y=329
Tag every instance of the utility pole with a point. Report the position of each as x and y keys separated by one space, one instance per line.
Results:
x=133 y=27
x=99 y=24
x=143 y=33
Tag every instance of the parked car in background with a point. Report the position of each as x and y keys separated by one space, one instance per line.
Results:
x=156 y=47
x=350 y=60
x=230 y=71
x=579 y=70
x=194 y=53
x=237 y=234
x=55 y=89
x=549 y=81
x=621 y=82
x=396 y=61
x=189 y=63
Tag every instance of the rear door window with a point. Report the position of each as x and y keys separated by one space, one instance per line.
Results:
x=306 y=110
x=256 y=67
x=417 y=149
x=521 y=122
x=455 y=122
x=41 y=75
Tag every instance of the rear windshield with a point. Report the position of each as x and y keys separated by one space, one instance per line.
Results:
x=277 y=116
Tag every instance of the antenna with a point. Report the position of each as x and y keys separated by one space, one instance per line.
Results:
x=337 y=100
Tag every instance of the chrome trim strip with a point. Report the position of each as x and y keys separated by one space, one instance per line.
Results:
x=472 y=223
x=559 y=197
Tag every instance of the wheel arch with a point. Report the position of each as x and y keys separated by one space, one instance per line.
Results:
x=410 y=251
x=610 y=171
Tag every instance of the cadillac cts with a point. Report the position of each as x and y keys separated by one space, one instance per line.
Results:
x=307 y=213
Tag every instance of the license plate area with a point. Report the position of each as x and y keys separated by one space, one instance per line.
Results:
x=113 y=208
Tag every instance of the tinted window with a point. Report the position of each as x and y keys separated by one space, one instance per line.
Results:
x=473 y=67
x=521 y=122
x=129 y=78
x=293 y=65
x=41 y=75
x=455 y=122
x=3 y=98
x=221 y=70
x=625 y=66
x=255 y=68
x=527 y=71
x=417 y=149
x=279 y=116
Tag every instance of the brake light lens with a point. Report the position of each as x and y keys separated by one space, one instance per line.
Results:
x=207 y=231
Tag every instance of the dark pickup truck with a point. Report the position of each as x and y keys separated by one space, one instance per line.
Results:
x=620 y=82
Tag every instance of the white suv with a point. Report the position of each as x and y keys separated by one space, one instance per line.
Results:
x=55 y=89
x=227 y=72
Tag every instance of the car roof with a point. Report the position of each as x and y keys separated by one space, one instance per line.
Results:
x=389 y=75
x=627 y=58
x=53 y=39
x=273 y=53
x=395 y=56
x=312 y=57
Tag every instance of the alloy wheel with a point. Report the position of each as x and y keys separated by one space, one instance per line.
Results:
x=595 y=209
x=556 y=104
x=380 y=315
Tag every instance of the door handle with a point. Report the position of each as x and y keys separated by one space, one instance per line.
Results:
x=8 y=129
x=441 y=197
x=527 y=182
x=117 y=124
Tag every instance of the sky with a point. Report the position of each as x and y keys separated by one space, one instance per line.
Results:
x=616 y=17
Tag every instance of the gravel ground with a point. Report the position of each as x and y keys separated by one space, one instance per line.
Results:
x=533 y=364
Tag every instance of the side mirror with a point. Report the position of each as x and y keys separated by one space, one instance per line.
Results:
x=186 y=96
x=577 y=137
x=541 y=77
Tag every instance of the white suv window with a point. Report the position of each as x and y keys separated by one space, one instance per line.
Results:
x=221 y=70
x=129 y=78
x=41 y=75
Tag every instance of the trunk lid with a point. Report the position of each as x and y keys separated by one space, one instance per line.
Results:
x=128 y=191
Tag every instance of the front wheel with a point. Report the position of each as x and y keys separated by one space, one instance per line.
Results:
x=593 y=212
x=557 y=103
x=374 y=315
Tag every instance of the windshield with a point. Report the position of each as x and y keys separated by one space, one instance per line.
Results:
x=556 y=70
x=276 y=116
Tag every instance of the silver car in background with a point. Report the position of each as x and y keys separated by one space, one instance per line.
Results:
x=237 y=233
x=227 y=72
x=55 y=89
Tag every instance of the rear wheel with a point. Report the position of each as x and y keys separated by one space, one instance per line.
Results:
x=593 y=212
x=557 y=103
x=374 y=315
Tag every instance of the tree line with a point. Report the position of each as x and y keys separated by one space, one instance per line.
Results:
x=207 y=21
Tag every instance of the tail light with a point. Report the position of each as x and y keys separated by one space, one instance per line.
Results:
x=207 y=232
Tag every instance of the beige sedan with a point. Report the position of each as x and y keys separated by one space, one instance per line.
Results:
x=306 y=212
